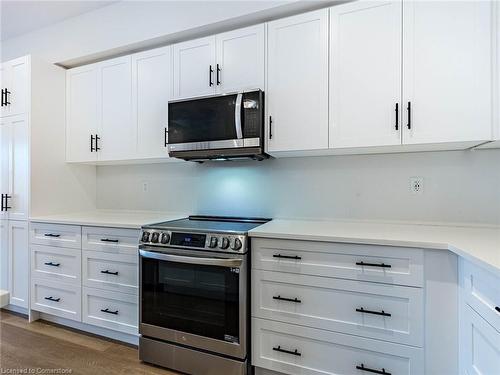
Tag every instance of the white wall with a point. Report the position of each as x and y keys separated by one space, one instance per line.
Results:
x=460 y=186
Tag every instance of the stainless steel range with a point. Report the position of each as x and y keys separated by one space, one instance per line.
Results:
x=194 y=294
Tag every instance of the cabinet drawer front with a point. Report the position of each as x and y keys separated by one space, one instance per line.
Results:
x=111 y=240
x=56 y=298
x=392 y=265
x=276 y=346
x=111 y=310
x=56 y=263
x=480 y=344
x=117 y=272
x=482 y=292
x=387 y=312
x=58 y=235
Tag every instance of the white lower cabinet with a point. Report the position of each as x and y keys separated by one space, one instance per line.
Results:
x=112 y=240
x=56 y=298
x=18 y=260
x=293 y=349
x=54 y=263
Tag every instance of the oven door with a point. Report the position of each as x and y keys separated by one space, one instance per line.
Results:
x=194 y=298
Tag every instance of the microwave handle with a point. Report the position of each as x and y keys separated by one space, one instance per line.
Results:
x=191 y=260
x=237 y=116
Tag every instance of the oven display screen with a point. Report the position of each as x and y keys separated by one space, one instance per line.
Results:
x=188 y=239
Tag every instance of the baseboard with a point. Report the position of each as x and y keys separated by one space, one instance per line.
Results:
x=16 y=309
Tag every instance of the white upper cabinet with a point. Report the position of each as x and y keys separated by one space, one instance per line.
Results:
x=117 y=132
x=447 y=71
x=15 y=85
x=14 y=167
x=194 y=68
x=152 y=89
x=82 y=113
x=240 y=60
x=297 y=82
x=365 y=74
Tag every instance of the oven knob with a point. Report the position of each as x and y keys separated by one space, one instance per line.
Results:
x=213 y=243
x=145 y=237
x=225 y=243
x=237 y=244
x=154 y=237
x=165 y=238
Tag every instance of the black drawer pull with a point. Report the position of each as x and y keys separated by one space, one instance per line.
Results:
x=52 y=299
x=383 y=313
x=287 y=256
x=295 y=352
x=382 y=265
x=52 y=264
x=497 y=309
x=367 y=369
x=296 y=300
x=52 y=235
x=108 y=240
x=108 y=311
x=110 y=272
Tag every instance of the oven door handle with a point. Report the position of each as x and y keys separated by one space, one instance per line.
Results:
x=191 y=260
x=237 y=116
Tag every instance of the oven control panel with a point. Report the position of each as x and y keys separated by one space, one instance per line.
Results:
x=202 y=241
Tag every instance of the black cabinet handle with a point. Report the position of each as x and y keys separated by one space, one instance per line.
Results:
x=295 y=352
x=296 y=300
x=367 y=369
x=397 y=116
x=108 y=272
x=52 y=235
x=409 y=115
x=52 y=264
x=92 y=149
x=5 y=206
x=108 y=240
x=3 y=195
x=108 y=311
x=497 y=309
x=381 y=265
x=7 y=92
x=218 y=75
x=210 y=71
x=97 y=138
x=165 y=137
x=287 y=256
x=3 y=101
x=52 y=299
x=270 y=127
x=383 y=313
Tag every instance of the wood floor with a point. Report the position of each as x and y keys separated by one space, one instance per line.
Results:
x=42 y=345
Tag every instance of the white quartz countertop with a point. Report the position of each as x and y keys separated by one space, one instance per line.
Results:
x=478 y=244
x=108 y=218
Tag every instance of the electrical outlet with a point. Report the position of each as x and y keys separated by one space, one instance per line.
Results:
x=417 y=185
x=145 y=187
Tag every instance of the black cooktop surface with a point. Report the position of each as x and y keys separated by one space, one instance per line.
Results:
x=211 y=224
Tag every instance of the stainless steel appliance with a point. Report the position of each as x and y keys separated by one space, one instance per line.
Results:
x=194 y=294
x=219 y=127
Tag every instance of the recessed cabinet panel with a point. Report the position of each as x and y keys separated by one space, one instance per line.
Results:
x=447 y=71
x=18 y=263
x=297 y=82
x=240 y=59
x=4 y=255
x=15 y=79
x=194 y=68
x=151 y=77
x=365 y=74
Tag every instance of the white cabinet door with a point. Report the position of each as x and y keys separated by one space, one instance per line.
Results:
x=194 y=68
x=365 y=74
x=18 y=263
x=16 y=80
x=297 y=83
x=81 y=113
x=117 y=132
x=15 y=166
x=447 y=71
x=240 y=60
x=152 y=89
x=4 y=255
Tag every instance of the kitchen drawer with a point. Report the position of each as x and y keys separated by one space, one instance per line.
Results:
x=58 y=235
x=295 y=350
x=117 y=311
x=479 y=345
x=56 y=298
x=56 y=263
x=111 y=240
x=481 y=290
x=382 y=264
x=118 y=272
x=332 y=304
